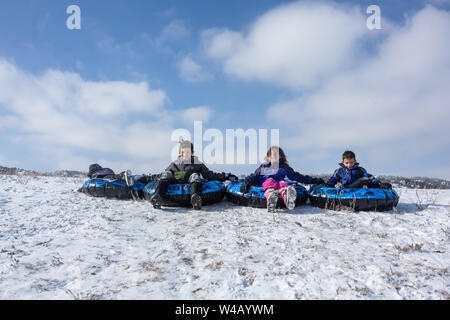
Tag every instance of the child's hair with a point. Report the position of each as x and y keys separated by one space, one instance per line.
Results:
x=184 y=144
x=281 y=154
x=348 y=155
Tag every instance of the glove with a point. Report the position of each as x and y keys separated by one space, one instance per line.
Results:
x=244 y=187
x=317 y=181
x=231 y=177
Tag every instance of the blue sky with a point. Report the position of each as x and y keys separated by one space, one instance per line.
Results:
x=114 y=91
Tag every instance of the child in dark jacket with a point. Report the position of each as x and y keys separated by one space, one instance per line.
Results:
x=351 y=175
x=187 y=169
x=271 y=174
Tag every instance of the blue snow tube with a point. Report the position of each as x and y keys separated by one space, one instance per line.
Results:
x=355 y=199
x=97 y=187
x=255 y=196
x=179 y=195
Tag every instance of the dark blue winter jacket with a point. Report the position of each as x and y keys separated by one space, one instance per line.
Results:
x=348 y=176
x=266 y=171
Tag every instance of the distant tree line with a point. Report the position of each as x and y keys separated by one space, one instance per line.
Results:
x=59 y=173
x=412 y=183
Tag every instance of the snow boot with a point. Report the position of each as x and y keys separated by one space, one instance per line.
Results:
x=160 y=192
x=272 y=199
x=196 y=201
x=196 y=198
x=156 y=201
x=289 y=195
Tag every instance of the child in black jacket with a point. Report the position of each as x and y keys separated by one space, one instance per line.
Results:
x=187 y=169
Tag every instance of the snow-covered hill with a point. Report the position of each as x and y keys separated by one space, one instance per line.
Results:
x=56 y=243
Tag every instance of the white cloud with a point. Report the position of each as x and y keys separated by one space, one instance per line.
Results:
x=398 y=99
x=191 y=71
x=295 y=45
x=221 y=43
x=200 y=113
x=8 y=122
x=109 y=98
x=110 y=45
x=60 y=109
x=174 y=32
x=390 y=102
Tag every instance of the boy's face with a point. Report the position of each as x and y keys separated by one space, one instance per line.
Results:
x=349 y=163
x=186 y=153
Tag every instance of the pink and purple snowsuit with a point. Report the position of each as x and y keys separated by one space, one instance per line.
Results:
x=271 y=185
x=271 y=178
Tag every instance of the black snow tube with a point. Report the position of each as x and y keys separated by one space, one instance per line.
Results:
x=115 y=189
x=179 y=195
x=354 y=199
x=255 y=196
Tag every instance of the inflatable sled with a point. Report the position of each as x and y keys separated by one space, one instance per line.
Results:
x=98 y=187
x=179 y=195
x=255 y=196
x=355 y=199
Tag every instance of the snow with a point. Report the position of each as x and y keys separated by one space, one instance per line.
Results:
x=56 y=243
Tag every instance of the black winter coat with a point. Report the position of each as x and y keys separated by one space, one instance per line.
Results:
x=183 y=169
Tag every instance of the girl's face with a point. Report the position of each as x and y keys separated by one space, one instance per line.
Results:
x=274 y=156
